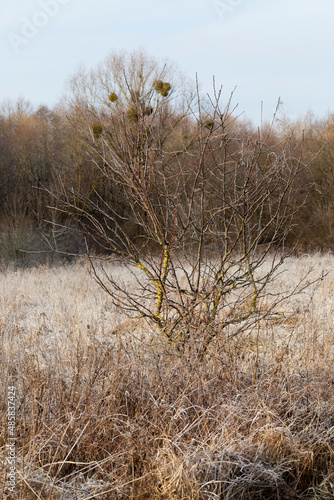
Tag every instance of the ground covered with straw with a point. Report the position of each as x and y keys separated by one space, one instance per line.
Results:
x=106 y=409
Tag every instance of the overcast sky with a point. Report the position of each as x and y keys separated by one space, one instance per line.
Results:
x=267 y=48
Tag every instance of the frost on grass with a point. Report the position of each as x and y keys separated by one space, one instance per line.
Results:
x=107 y=409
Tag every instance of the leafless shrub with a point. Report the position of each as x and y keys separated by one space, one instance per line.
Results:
x=196 y=210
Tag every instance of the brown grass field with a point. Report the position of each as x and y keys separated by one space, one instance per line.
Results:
x=106 y=409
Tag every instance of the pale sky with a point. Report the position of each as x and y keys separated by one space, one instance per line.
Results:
x=266 y=48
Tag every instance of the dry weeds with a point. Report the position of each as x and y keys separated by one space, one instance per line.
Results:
x=105 y=409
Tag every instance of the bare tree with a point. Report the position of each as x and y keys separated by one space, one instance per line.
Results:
x=197 y=212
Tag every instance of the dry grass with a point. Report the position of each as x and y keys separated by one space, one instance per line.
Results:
x=106 y=410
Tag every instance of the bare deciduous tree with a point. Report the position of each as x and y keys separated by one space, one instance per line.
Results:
x=197 y=212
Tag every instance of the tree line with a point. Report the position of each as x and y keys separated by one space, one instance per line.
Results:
x=119 y=151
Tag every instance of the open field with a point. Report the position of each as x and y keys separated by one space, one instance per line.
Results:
x=106 y=409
